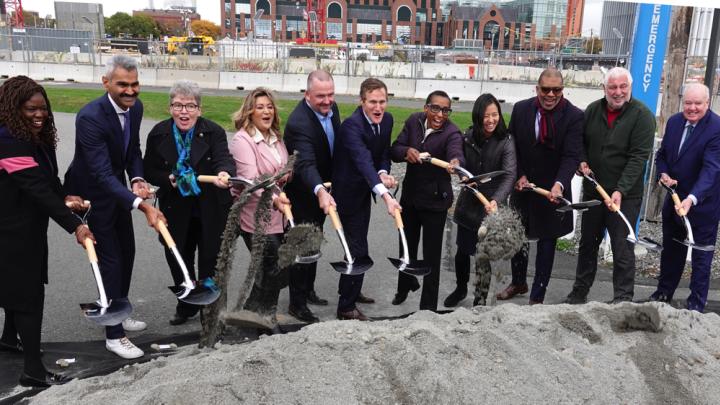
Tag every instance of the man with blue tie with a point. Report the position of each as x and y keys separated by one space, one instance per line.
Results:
x=310 y=131
x=107 y=146
x=689 y=160
x=361 y=166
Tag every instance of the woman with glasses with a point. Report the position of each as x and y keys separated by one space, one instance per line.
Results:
x=178 y=150
x=488 y=147
x=258 y=150
x=427 y=192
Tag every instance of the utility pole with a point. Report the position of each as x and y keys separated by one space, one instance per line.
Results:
x=712 y=53
x=680 y=23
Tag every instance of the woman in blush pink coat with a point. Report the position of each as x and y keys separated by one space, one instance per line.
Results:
x=257 y=149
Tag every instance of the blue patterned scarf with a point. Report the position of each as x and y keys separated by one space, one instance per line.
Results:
x=184 y=173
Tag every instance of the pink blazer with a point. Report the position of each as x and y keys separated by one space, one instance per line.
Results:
x=251 y=160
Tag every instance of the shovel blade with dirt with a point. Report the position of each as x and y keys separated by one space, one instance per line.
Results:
x=300 y=233
x=203 y=292
x=239 y=182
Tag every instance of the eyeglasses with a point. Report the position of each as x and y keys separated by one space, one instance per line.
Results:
x=547 y=90
x=188 y=107
x=434 y=108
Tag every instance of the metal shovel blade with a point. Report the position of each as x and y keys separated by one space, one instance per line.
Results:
x=704 y=248
x=581 y=206
x=417 y=268
x=649 y=244
x=308 y=259
x=267 y=183
x=359 y=266
x=483 y=178
x=118 y=310
x=205 y=292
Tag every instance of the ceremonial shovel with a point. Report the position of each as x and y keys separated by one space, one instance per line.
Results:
x=287 y=210
x=416 y=268
x=103 y=311
x=203 y=292
x=350 y=266
x=690 y=239
x=645 y=242
x=565 y=204
x=249 y=185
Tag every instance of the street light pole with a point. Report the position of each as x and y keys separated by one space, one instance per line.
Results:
x=619 y=35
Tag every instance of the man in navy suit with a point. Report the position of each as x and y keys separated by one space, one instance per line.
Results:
x=310 y=131
x=689 y=159
x=361 y=166
x=107 y=146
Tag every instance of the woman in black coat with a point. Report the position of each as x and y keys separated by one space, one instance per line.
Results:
x=31 y=194
x=488 y=147
x=178 y=150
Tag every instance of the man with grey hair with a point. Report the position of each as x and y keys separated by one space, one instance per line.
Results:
x=310 y=131
x=618 y=138
x=689 y=161
x=107 y=147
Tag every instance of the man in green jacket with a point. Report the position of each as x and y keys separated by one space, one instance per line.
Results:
x=618 y=138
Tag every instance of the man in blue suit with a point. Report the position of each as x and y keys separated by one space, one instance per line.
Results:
x=361 y=166
x=689 y=159
x=107 y=146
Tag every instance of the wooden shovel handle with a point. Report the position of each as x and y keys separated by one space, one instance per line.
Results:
x=541 y=191
x=90 y=247
x=327 y=185
x=398 y=219
x=676 y=201
x=606 y=198
x=334 y=218
x=439 y=163
x=286 y=208
x=165 y=234
x=482 y=199
x=205 y=178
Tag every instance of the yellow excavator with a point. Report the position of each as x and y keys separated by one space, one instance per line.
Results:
x=197 y=45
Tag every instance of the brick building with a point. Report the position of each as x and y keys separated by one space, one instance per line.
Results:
x=172 y=21
x=402 y=21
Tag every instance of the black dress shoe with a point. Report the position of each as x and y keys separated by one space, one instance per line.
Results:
x=364 y=300
x=315 y=300
x=401 y=296
x=178 y=319
x=303 y=313
x=659 y=297
x=455 y=297
x=50 y=379
x=354 y=314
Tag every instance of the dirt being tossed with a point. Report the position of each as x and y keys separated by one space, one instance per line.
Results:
x=559 y=354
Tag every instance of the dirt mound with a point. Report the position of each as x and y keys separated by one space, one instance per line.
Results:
x=593 y=354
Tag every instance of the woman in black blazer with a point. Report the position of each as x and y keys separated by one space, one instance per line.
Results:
x=178 y=150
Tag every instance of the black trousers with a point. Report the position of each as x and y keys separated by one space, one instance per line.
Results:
x=264 y=295
x=27 y=324
x=594 y=223
x=432 y=225
x=355 y=225
x=206 y=262
x=544 y=260
x=302 y=275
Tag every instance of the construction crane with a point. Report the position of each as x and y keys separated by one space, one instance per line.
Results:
x=14 y=9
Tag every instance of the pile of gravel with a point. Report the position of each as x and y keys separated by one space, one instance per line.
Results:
x=592 y=354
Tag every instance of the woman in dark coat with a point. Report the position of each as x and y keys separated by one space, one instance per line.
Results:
x=178 y=150
x=31 y=194
x=488 y=147
x=427 y=192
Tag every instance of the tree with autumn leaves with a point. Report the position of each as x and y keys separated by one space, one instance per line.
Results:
x=205 y=28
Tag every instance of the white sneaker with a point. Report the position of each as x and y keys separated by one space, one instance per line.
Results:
x=124 y=348
x=133 y=325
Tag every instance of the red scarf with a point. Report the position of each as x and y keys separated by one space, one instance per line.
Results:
x=547 y=126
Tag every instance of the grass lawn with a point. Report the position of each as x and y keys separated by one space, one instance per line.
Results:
x=220 y=108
